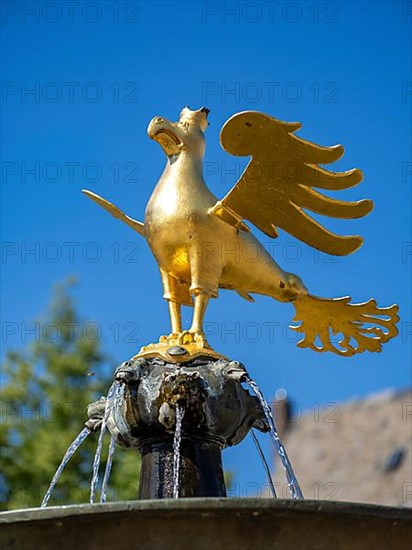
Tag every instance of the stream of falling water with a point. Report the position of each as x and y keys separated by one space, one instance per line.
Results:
x=111 y=395
x=176 y=449
x=69 y=453
x=108 y=469
x=293 y=484
x=265 y=464
x=117 y=400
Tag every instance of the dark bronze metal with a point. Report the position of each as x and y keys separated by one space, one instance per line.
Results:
x=201 y=473
x=218 y=412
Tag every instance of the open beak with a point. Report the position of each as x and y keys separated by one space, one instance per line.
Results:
x=164 y=132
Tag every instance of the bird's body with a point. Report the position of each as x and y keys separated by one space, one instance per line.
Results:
x=199 y=250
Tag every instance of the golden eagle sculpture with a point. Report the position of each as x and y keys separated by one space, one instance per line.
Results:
x=202 y=244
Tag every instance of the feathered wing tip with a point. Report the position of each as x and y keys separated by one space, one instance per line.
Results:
x=343 y=328
x=318 y=154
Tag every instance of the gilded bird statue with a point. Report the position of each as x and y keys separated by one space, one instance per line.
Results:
x=202 y=244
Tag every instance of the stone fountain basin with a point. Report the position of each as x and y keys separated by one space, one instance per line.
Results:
x=209 y=524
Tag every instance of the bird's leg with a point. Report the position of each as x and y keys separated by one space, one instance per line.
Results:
x=175 y=316
x=176 y=294
x=201 y=301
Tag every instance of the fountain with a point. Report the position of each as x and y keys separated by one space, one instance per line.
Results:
x=180 y=403
x=179 y=416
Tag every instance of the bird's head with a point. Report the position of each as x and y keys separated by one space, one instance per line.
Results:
x=291 y=288
x=186 y=135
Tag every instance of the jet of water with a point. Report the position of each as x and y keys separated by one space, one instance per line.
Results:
x=176 y=449
x=108 y=469
x=118 y=398
x=96 y=462
x=293 y=484
x=265 y=464
x=69 y=453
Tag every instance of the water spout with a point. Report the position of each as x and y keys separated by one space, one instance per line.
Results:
x=176 y=449
x=265 y=464
x=96 y=462
x=69 y=453
x=293 y=483
x=117 y=399
x=108 y=469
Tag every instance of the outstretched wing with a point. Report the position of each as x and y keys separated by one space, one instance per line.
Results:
x=278 y=184
x=116 y=212
x=341 y=327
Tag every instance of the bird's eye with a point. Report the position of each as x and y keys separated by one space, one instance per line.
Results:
x=185 y=125
x=282 y=284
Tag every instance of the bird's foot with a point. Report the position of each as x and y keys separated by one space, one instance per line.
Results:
x=193 y=337
x=185 y=337
x=180 y=346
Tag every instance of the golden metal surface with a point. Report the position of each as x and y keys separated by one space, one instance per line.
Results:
x=195 y=345
x=116 y=212
x=344 y=328
x=278 y=182
x=202 y=244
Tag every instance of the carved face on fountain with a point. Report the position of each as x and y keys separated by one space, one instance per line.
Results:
x=186 y=135
x=216 y=405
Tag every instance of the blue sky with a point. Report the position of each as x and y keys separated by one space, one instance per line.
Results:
x=100 y=71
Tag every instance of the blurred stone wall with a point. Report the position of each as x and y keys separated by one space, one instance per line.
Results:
x=357 y=451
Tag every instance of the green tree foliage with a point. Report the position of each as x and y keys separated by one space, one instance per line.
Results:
x=46 y=389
